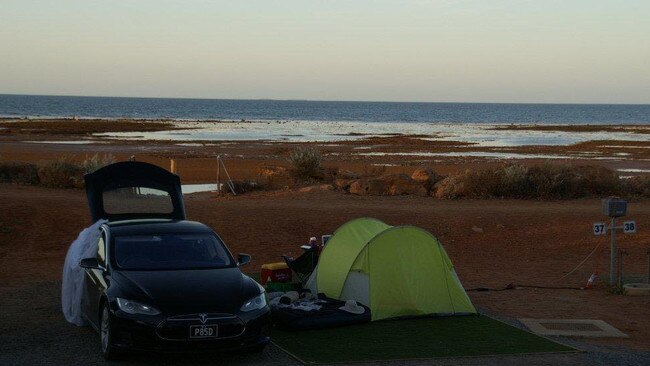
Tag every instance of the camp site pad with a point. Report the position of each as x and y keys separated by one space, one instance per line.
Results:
x=418 y=338
x=572 y=328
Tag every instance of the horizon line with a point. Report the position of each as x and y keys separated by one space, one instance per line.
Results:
x=307 y=100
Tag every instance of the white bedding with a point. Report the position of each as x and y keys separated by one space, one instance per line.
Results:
x=84 y=246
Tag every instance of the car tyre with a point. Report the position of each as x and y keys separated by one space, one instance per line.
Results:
x=106 y=335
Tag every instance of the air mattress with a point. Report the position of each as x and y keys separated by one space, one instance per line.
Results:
x=328 y=316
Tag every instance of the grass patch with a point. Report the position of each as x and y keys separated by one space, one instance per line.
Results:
x=423 y=338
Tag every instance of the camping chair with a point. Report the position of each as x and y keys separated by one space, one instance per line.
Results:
x=302 y=266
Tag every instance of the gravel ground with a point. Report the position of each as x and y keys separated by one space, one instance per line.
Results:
x=33 y=332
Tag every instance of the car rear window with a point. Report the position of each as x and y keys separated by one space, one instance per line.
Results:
x=137 y=200
x=170 y=252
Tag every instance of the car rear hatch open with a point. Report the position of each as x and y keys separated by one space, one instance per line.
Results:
x=134 y=190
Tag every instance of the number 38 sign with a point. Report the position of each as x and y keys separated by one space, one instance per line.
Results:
x=629 y=227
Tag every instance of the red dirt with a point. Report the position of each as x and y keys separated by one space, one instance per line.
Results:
x=491 y=242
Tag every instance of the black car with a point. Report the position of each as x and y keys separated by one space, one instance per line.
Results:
x=159 y=282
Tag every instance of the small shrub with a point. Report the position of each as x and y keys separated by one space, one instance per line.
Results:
x=598 y=180
x=552 y=181
x=427 y=177
x=96 y=162
x=242 y=186
x=373 y=170
x=638 y=186
x=330 y=174
x=305 y=163
x=617 y=290
x=450 y=187
x=515 y=181
x=566 y=181
x=273 y=177
x=482 y=183
x=61 y=173
x=347 y=174
x=19 y=173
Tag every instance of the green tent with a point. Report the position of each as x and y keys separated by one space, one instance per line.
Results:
x=396 y=271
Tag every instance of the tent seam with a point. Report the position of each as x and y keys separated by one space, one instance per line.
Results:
x=451 y=301
x=367 y=243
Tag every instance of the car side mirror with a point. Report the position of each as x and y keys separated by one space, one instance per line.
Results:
x=243 y=259
x=90 y=263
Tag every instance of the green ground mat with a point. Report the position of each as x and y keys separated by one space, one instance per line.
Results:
x=412 y=339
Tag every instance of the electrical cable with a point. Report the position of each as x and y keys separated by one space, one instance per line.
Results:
x=581 y=263
x=514 y=287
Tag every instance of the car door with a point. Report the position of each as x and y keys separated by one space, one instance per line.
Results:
x=95 y=283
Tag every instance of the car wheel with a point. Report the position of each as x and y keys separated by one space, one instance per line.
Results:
x=106 y=335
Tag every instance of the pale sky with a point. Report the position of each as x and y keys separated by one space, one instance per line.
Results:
x=564 y=51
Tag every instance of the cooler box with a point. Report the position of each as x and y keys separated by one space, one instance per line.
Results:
x=277 y=272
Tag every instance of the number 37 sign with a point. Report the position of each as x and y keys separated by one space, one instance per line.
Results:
x=600 y=228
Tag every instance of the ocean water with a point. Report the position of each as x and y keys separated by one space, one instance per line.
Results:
x=197 y=133
x=320 y=111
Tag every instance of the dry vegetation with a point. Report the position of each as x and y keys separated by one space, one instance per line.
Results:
x=576 y=128
x=60 y=173
x=545 y=181
x=305 y=163
x=81 y=127
x=19 y=173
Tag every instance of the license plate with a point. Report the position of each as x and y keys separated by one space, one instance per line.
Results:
x=203 y=331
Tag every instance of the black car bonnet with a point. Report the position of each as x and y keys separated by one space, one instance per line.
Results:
x=140 y=179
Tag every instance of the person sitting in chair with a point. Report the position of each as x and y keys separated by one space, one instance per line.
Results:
x=315 y=246
x=304 y=265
